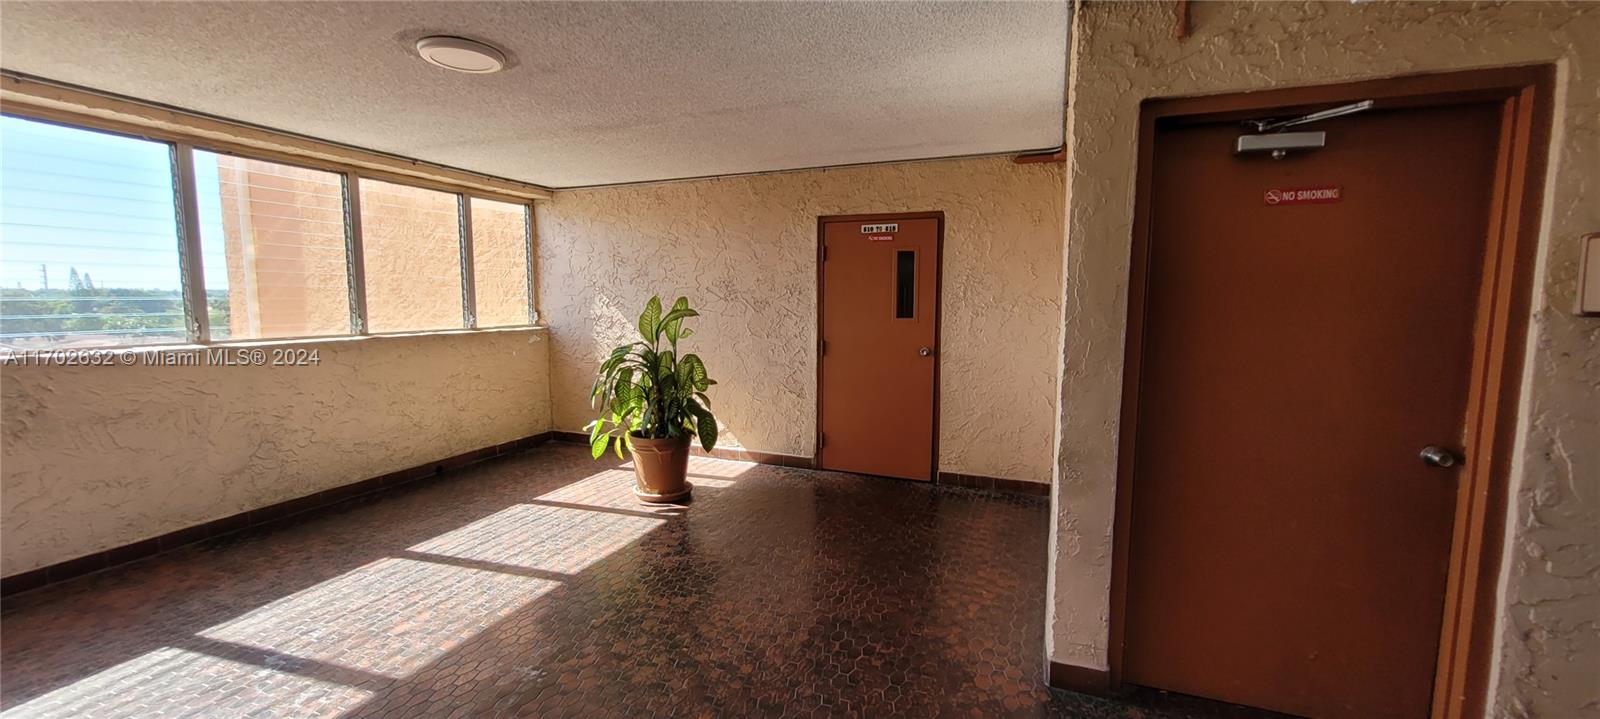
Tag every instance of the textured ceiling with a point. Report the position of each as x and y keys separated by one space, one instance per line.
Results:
x=596 y=93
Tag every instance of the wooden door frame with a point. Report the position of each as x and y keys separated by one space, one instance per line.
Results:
x=1466 y=642
x=938 y=300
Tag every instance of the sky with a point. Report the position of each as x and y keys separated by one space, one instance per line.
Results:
x=98 y=202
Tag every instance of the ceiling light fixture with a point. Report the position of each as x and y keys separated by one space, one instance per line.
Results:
x=461 y=54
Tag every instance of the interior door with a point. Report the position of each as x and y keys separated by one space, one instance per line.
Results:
x=879 y=305
x=1308 y=332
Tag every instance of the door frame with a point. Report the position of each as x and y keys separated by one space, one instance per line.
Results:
x=938 y=302
x=1466 y=642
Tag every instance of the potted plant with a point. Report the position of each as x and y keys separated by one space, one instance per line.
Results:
x=652 y=400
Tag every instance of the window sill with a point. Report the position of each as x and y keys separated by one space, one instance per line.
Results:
x=7 y=355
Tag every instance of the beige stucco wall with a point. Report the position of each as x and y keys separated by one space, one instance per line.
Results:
x=743 y=249
x=99 y=457
x=1549 y=652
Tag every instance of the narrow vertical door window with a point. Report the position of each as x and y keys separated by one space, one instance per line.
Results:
x=905 y=284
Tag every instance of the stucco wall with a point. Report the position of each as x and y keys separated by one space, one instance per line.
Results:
x=1549 y=653
x=98 y=457
x=743 y=250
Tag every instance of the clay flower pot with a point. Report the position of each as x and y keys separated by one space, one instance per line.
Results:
x=661 y=467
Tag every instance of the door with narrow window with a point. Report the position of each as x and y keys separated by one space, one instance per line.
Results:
x=879 y=356
x=1308 y=339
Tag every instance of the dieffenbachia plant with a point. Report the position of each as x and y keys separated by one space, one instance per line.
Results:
x=646 y=390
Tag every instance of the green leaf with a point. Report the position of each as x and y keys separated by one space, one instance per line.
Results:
x=673 y=323
x=650 y=321
x=666 y=364
x=597 y=445
x=697 y=371
x=707 y=429
x=674 y=319
x=685 y=372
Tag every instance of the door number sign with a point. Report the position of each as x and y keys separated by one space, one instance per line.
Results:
x=1278 y=196
x=880 y=233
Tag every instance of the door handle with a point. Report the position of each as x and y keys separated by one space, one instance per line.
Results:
x=925 y=352
x=1435 y=456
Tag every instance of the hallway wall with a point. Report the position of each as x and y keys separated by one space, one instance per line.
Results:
x=104 y=456
x=743 y=249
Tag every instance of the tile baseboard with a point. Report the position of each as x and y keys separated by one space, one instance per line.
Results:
x=997 y=484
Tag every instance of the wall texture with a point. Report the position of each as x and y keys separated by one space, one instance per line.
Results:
x=99 y=457
x=1124 y=53
x=743 y=249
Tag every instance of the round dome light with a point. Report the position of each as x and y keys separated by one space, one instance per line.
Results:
x=461 y=54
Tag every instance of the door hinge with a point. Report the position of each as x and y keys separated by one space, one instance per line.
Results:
x=822 y=440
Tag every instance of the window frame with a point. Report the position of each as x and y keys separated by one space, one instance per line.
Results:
x=181 y=148
x=528 y=260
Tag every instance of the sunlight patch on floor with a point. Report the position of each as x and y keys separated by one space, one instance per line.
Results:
x=390 y=617
x=542 y=537
x=608 y=488
x=156 y=683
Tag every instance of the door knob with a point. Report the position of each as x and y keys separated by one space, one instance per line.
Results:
x=925 y=352
x=1435 y=456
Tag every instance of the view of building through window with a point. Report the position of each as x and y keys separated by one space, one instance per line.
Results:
x=412 y=240
x=273 y=239
x=88 y=239
x=500 y=262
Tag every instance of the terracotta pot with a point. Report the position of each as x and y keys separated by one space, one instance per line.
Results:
x=661 y=467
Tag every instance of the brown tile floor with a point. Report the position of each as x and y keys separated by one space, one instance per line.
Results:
x=535 y=586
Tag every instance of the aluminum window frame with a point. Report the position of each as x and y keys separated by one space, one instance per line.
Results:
x=528 y=258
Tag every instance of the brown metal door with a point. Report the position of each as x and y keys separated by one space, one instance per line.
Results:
x=879 y=304
x=1309 y=329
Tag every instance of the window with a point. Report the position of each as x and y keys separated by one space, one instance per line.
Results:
x=273 y=242
x=88 y=239
x=412 y=241
x=95 y=232
x=905 y=284
x=500 y=276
